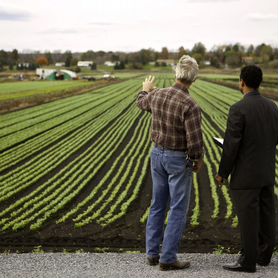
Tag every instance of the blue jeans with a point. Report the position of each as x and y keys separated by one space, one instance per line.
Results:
x=172 y=182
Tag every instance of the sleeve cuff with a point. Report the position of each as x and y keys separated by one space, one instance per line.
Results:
x=223 y=175
x=197 y=157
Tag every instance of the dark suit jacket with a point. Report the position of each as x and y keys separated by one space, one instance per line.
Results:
x=250 y=143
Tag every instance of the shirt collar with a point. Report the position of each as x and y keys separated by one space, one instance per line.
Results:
x=181 y=87
x=252 y=93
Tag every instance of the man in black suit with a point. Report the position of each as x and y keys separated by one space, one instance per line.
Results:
x=249 y=156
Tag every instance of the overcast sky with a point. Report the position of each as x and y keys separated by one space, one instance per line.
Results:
x=129 y=25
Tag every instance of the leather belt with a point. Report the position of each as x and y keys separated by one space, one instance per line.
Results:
x=164 y=148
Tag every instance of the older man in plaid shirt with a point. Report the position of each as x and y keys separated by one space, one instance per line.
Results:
x=176 y=132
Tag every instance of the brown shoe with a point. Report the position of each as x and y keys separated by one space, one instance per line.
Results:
x=153 y=260
x=174 y=266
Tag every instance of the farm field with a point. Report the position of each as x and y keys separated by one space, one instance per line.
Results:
x=75 y=172
x=22 y=94
x=121 y=74
x=20 y=90
x=268 y=88
x=18 y=95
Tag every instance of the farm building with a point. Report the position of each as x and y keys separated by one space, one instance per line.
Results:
x=108 y=76
x=166 y=62
x=109 y=64
x=23 y=65
x=207 y=63
x=52 y=74
x=248 y=60
x=60 y=64
x=87 y=64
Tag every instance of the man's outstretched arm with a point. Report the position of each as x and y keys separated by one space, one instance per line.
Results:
x=143 y=101
x=144 y=98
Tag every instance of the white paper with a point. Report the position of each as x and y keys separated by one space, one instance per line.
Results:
x=218 y=141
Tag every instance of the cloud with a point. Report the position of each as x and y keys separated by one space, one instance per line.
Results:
x=63 y=31
x=261 y=16
x=13 y=15
x=212 y=1
x=102 y=23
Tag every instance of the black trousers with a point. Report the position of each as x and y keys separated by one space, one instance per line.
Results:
x=256 y=215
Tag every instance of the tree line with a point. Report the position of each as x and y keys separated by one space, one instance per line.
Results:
x=228 y=55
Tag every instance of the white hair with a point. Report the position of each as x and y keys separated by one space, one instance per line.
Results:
x=187 y=69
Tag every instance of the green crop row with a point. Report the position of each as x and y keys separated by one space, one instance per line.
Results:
x=76 y=125
x=13 y=138
x=12 y=91
x=118 y=167
x=66 y=186
x=35 y=168
x=131 y=165
x=40 y=110
x=61 y=148
x=27 y=121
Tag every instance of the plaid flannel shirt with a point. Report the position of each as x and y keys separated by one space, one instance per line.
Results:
x=176 y=119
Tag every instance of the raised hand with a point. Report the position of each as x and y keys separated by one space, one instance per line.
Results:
x=148 y=84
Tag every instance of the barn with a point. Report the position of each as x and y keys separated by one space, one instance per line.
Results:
x=52 y=74
x=87 y=64
x=62 y=75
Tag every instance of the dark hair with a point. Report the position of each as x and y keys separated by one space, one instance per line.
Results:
x=252 y=76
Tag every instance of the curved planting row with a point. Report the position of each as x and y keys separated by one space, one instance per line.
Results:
x=118 y=113
x=85 y=158
x=120 y=166
x=24 y=90
x=30 y=172
x=65 y=185
x=34 y=145
x=14 y=137
x=43 y=111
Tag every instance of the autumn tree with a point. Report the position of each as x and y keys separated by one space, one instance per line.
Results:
x=250 y=49
x=198 y=52
x=3 y=57
x=164 y=53
x=42 y=60
x=146 y=56
x=181 y=52
x=264 y=52
x=68 y=58
x=233 y=58
x=88 y=56
x=14 y=56
x=49 y=58
x=199 y=48
x=74 y=62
